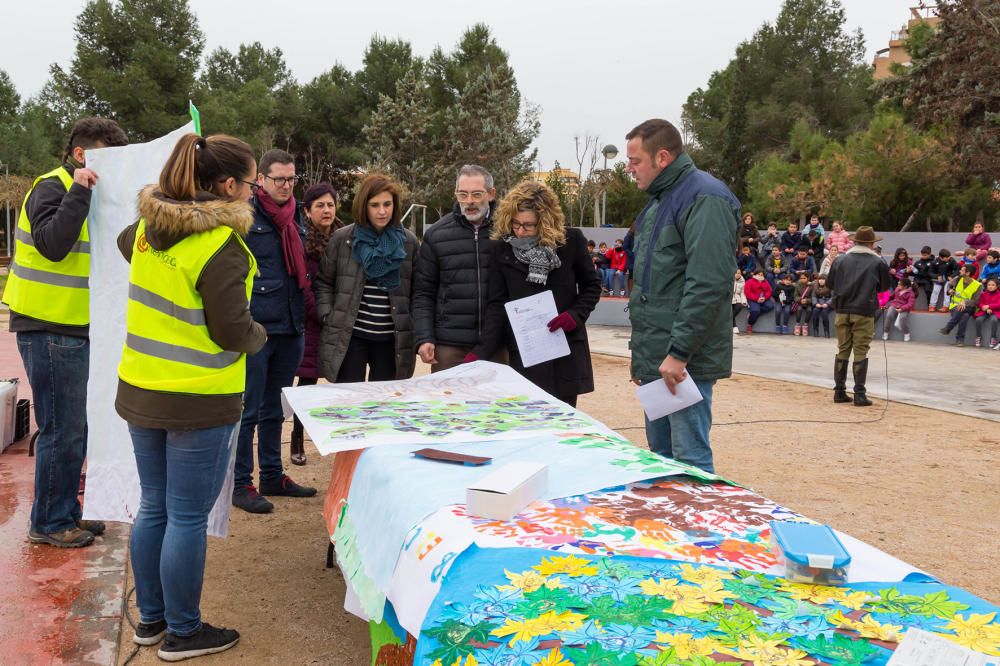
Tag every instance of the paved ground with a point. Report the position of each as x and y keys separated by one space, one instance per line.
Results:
x=60 y=606
x=946 y=378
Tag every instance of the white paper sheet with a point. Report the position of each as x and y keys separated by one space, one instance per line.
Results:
x=112 y=482
x=657 y=400
x=529 y=319
x=922 y=648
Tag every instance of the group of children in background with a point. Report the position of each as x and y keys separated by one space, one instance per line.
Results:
x=787 y=273
x=614 y=265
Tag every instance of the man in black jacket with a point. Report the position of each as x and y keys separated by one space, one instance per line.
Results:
x=452 y=273
x=856 y=279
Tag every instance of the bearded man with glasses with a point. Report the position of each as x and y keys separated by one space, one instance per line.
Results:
x=277 y=240
x=452 y=274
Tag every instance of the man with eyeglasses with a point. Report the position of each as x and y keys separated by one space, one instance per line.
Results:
x=277 y=240
x=452 y=274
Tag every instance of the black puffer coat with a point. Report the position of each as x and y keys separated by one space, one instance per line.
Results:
x=576 y=290
x=338 y=288
x=451 y=281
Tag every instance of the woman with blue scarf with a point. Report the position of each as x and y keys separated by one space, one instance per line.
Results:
x=363 y=291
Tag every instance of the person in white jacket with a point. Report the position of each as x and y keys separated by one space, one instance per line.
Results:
x=739 y=299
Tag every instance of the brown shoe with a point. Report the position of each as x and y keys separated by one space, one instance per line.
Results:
x=95 y=527
x=71 y=538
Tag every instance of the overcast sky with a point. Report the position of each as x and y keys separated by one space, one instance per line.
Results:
x=594 y=68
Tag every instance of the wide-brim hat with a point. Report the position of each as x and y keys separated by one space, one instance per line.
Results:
x=865 y=235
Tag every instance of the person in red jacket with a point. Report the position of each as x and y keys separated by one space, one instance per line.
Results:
x=988 y=310
x=618 y=268
x=758 y=293
x=901 y=305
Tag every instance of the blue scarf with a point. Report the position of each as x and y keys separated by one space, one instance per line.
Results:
x=380 y=254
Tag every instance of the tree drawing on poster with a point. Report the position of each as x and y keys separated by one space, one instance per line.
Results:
x=437 y=419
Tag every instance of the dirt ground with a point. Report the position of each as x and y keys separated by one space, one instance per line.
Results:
x=920 y=484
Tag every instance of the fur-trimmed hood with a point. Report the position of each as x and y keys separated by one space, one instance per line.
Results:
x=169 y=221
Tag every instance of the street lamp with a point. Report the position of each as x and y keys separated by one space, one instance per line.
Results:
x=610 y=152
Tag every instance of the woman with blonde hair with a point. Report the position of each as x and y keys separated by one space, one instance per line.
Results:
x=539 y=253
x=364 y=289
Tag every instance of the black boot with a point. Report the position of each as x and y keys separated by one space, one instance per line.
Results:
x=298 y=444
x=860 y=375
x=840 y=381
x=826 y=327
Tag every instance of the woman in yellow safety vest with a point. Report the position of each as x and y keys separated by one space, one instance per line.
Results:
x=182 y=375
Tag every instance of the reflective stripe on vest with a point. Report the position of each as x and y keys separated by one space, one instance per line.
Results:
x=191 y=316
x=180 y=354
x=167 y=346
x=52 y=291
x=25 y=237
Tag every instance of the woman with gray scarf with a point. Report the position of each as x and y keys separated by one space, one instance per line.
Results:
x=539 y=253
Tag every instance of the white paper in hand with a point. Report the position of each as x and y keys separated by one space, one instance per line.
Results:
x=529 y=319
x=657 y=401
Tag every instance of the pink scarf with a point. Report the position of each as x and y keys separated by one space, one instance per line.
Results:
x=283 y=217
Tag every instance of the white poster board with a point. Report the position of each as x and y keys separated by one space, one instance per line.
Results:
x=112 y=491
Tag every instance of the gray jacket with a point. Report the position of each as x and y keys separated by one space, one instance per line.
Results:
x=338 y=289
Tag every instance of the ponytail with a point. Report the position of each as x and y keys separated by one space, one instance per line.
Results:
x=199 y=163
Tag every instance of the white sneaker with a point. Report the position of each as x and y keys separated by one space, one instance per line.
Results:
x=885 y=336
x=906 y=337
x=736 y=330
x=621 y=293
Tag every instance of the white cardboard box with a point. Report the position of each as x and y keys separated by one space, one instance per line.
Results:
x=505 y=492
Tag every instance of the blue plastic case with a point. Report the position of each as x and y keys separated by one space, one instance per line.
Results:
x=810 y=553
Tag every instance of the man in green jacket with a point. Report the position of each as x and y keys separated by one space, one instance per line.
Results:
x=680 y=306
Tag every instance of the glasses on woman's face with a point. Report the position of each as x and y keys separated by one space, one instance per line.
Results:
x=476 y=196
x=527 y=226
x=253 y=185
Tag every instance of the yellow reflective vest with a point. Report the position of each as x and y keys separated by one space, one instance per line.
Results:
x=167 y=345
x=963 y=293
x=52 y=291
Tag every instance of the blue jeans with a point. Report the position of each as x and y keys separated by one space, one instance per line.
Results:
x=757 y=309
x=180 y=473
x=782 y=313
x=605 y=275
x=268 y=371
x=58 y=367
x=683 y=435
x=616 y=277
x=959 y=318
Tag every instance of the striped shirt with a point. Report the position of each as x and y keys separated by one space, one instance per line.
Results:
x=374 y=314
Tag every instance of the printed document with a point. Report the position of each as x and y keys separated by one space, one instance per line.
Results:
x=529 y=319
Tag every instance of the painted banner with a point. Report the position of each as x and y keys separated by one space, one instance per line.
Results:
x=474 y=402
x=501 y=607
x=676 y=518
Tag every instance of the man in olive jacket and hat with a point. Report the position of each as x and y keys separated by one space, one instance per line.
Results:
x=856 y=279
x=680 y=305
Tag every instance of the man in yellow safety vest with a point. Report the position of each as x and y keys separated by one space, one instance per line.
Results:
x=49 y=298
x=965 y=291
